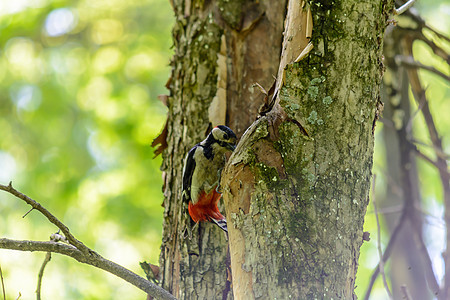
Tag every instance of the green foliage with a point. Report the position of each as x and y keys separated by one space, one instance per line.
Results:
x=78 y=111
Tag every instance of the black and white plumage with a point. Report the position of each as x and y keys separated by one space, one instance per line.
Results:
x=201 y=175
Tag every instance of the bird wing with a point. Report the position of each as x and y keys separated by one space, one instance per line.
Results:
x=188 y=171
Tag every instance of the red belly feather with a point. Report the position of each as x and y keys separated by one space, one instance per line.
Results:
x=206 y=207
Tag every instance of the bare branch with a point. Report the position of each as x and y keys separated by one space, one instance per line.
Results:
x=435 y=48
x=96 y=261
x=409 y=62
x=77 y=250
x=3 y=284
x=420 y=97
x=35 y=205
x=380 y=252
x=47 y=258
x=426 y=158
x=440 y=35
x=439 y=152
x=417 y=34
x=414 y=14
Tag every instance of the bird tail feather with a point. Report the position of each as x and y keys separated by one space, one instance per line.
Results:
x=222 y=223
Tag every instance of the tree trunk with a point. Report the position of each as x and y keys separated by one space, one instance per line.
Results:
x=221 y=49
x=296 y=189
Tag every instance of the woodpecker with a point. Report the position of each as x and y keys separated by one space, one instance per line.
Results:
x=201 y=175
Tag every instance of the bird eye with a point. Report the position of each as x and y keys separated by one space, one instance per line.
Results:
x=225 y=136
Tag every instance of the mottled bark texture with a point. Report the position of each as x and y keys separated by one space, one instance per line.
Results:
x=296 y=188
x=221 y=49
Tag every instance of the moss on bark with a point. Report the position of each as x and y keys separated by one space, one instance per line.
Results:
x=301 y=235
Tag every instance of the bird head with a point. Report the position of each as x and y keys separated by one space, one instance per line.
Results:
x=224 y=137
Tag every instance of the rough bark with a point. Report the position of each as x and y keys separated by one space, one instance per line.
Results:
x=296 y=188
x=221 y=49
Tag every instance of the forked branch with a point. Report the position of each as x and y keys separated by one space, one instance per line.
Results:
x=77 y=250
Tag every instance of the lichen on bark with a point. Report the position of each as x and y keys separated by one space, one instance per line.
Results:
x=296 y=222
x=192 y=260
x=219 y=54
x=296 y=187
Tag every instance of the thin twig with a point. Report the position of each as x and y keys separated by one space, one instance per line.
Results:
x=408 y=127
x=417 y=34
x=47 y=258
x=439 y=51
x=72 y=240
x=414 y=14
x=404 y=7
x=409 y=62
x=440 y=35
x=426 y=158
x=387 y=253
x=428 y=265
x=31 y=209
x=3 y=284
x=439 y=152
x=388 y=210
x=380 y=252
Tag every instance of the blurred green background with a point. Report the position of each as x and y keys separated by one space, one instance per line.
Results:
x=435 y=14
x=79 y=82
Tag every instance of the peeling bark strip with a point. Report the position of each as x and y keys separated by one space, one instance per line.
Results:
x=296 y=203
x=221 y=49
